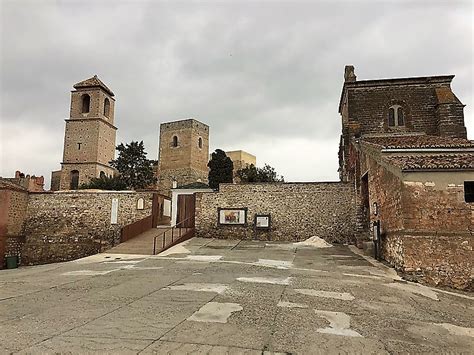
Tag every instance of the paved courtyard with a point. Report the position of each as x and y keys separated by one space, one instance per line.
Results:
x=228 y=296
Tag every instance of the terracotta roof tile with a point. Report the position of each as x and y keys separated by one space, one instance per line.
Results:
x=433 y=161
x=93 y=82
x=417 y=142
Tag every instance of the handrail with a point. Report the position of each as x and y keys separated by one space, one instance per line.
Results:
x=172 y=229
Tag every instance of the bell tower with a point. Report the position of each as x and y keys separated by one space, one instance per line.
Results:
x=89 y=139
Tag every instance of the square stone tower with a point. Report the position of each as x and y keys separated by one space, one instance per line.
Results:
x=89 y=139
x=183 y=153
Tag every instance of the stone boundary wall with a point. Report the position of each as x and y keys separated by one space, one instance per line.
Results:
x=439 y=260
x=68 y=225
x=298 y=211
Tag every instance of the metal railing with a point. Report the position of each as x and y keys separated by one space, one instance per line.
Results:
x=175 y=235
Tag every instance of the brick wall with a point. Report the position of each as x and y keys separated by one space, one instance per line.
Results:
x=63 y=226
x=298 y=211
x=427 y=227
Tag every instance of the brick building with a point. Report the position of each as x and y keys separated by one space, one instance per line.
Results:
x=404 y=147
x=89 y=138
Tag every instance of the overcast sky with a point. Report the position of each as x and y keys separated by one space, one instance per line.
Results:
x=265 y=76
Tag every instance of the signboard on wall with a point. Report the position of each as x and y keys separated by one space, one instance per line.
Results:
x=262 y=221
x=167 y=208
x=232 y=216
x=114 y=211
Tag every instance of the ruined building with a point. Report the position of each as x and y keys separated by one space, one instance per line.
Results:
x=89 y=138
x=404 y=147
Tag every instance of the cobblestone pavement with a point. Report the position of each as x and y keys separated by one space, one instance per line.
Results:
x=210 y=296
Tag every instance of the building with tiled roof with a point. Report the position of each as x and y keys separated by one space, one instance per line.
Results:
x=404 y=146
x=91 y=83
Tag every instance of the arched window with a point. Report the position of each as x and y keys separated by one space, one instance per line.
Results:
x=102 y=175
x=74 y=180
x=106 y=107
x=175 y=141
x=86 y=103
x=396 y=116
x=200 y=142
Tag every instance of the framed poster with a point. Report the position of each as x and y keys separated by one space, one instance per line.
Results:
x=262 y=221
x=232 y=216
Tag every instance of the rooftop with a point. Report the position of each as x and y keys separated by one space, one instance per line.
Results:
x=418 y=142
x=92 y=83
x=464 y=161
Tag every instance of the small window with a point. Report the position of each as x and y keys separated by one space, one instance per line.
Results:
x=396 y=116
x=106 y=107
x=200 y=142
x=102 y=175
x=391 y=117
x=469 y=191
x=86 y=103
x=140 y=203
x=175 y=141
x=74 y=180
x=79 y=146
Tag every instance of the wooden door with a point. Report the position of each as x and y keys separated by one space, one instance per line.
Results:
x=186 y=210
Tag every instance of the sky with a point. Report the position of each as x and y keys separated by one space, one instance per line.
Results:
x=265 y=76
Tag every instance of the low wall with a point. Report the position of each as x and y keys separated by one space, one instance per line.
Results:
x=298 y=211
x=439 y=260
x=63 y=226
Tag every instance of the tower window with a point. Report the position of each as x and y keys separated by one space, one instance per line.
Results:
x=469 y=191
x=106 y=107
x=200 y=142
x=102 y=175
x=79 y=146
x=74 y=179
x=86 y=103
x=396 y=116
x=175 y=141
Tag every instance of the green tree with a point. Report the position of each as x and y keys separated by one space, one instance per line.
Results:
x=105 y=183
x=135 y=170
x=253 y=174
x=221 y=169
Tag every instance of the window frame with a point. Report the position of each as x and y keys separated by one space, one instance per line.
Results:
x=396 y=115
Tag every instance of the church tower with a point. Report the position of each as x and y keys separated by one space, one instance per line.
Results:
x=89 y=139
x=183 y=153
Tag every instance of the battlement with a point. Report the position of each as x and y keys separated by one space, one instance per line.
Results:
x=188 y=123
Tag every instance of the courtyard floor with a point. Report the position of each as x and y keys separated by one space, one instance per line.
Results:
x=229 y=296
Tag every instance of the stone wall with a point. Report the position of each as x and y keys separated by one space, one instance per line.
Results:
x=427 y=229
x=298 y=211
x=187 y=162
x=13 y=202
x=63 y=226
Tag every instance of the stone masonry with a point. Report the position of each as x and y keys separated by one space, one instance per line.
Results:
x=298 y=211
x=89 y=138
x=183 y=153
x=64 y=226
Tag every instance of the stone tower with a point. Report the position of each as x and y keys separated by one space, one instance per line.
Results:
x=183 y=153
x=89 y=139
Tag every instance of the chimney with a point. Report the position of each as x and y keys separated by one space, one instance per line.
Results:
x=349 y=73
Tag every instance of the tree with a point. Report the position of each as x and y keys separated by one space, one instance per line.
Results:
x=253 y=174
x=135 y=170
x=221 y=169
x=105 y=183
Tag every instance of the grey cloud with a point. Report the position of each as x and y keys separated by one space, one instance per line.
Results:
x=265 y=76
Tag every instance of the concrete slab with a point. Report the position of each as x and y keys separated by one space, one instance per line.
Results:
x=119 y=303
